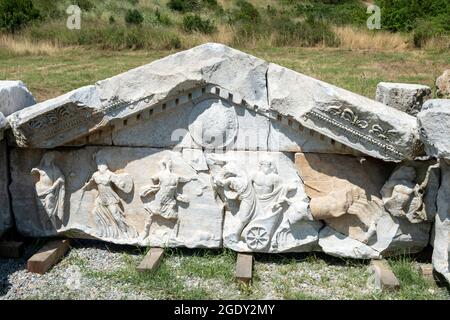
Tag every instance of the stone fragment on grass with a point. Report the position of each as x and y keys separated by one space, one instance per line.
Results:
x=405 y=97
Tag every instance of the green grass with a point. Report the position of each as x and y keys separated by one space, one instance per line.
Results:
x=209 y=274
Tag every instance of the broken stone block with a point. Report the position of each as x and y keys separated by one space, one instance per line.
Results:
x=443 y=85
x=441 y=243
x=405 y=97
x=360 y=123
x=14 y=96
x=434 y=123
x=5 y=212
x=367 y=221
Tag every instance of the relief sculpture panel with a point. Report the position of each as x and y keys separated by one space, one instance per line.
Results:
x=266 y=211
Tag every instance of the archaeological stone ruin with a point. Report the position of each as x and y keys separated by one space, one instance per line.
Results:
x=212 y=148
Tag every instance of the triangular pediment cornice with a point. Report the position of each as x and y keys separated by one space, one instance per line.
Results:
x=214 y=70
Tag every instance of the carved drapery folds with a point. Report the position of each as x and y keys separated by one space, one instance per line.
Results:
x=261 y=207
x=50 y=191
x=108 y=212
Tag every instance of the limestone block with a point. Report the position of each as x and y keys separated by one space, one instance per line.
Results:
x=434 y=122
x=139 y=196
x=405 y=97
x=14 y=96
x=441 y=243
x=355 y=121
x=266 y=207
x=443 y=85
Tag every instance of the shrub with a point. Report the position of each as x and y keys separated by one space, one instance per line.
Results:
x=162 y=18
x=406 y=15
x=183 y=5
x=112 y=20
x=193 y=22
x=174 y=43
x=306 y=33
x=133 y=2
x=334 y=11
x=245 y=12
x=134 y=17
x=85 y=5
x=14 y=14
x=426 y=30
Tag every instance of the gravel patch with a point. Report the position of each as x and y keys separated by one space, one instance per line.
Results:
x=96 y=270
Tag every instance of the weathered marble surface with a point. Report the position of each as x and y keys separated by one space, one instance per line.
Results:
x=112 y=194
x=266 y=206
x=5 y=210
x=405 y=97
x=366 y=229
x=434 y=123
x=212 y=121
x=360 y=123
x=212 y=147
x=14 y=96
x=443 y=85
x=265 y=89
x=441 y=243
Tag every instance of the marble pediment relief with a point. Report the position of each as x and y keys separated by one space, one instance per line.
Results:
x=212 y=147
x=277 y=109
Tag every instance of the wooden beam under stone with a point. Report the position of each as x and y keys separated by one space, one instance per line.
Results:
x=11 y=249
x=426 y=270
x=152 y=260
x=49 y=255
x=244 y=267
x=385 y=279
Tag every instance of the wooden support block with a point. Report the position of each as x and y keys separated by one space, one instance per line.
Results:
x=244 y=267
x=11 y=249
x=48 y=256
x=426 y=270
x=152 y=260
x=385 y=279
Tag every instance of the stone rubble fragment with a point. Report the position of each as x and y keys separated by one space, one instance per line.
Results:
x=405 y=97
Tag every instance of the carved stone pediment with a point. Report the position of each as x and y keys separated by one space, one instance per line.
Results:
x=212 y=147
x=92 y=114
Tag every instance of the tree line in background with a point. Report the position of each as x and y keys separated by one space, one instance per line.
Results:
x=119 y=24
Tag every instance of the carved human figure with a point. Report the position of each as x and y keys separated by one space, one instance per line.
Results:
x=272 y=193
x=335 y=204
x=165 y=187
x=236 y=187
x=50 y=190
x=278 y=209
x=402 y=195
x=109 y=216
x=262 y=198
